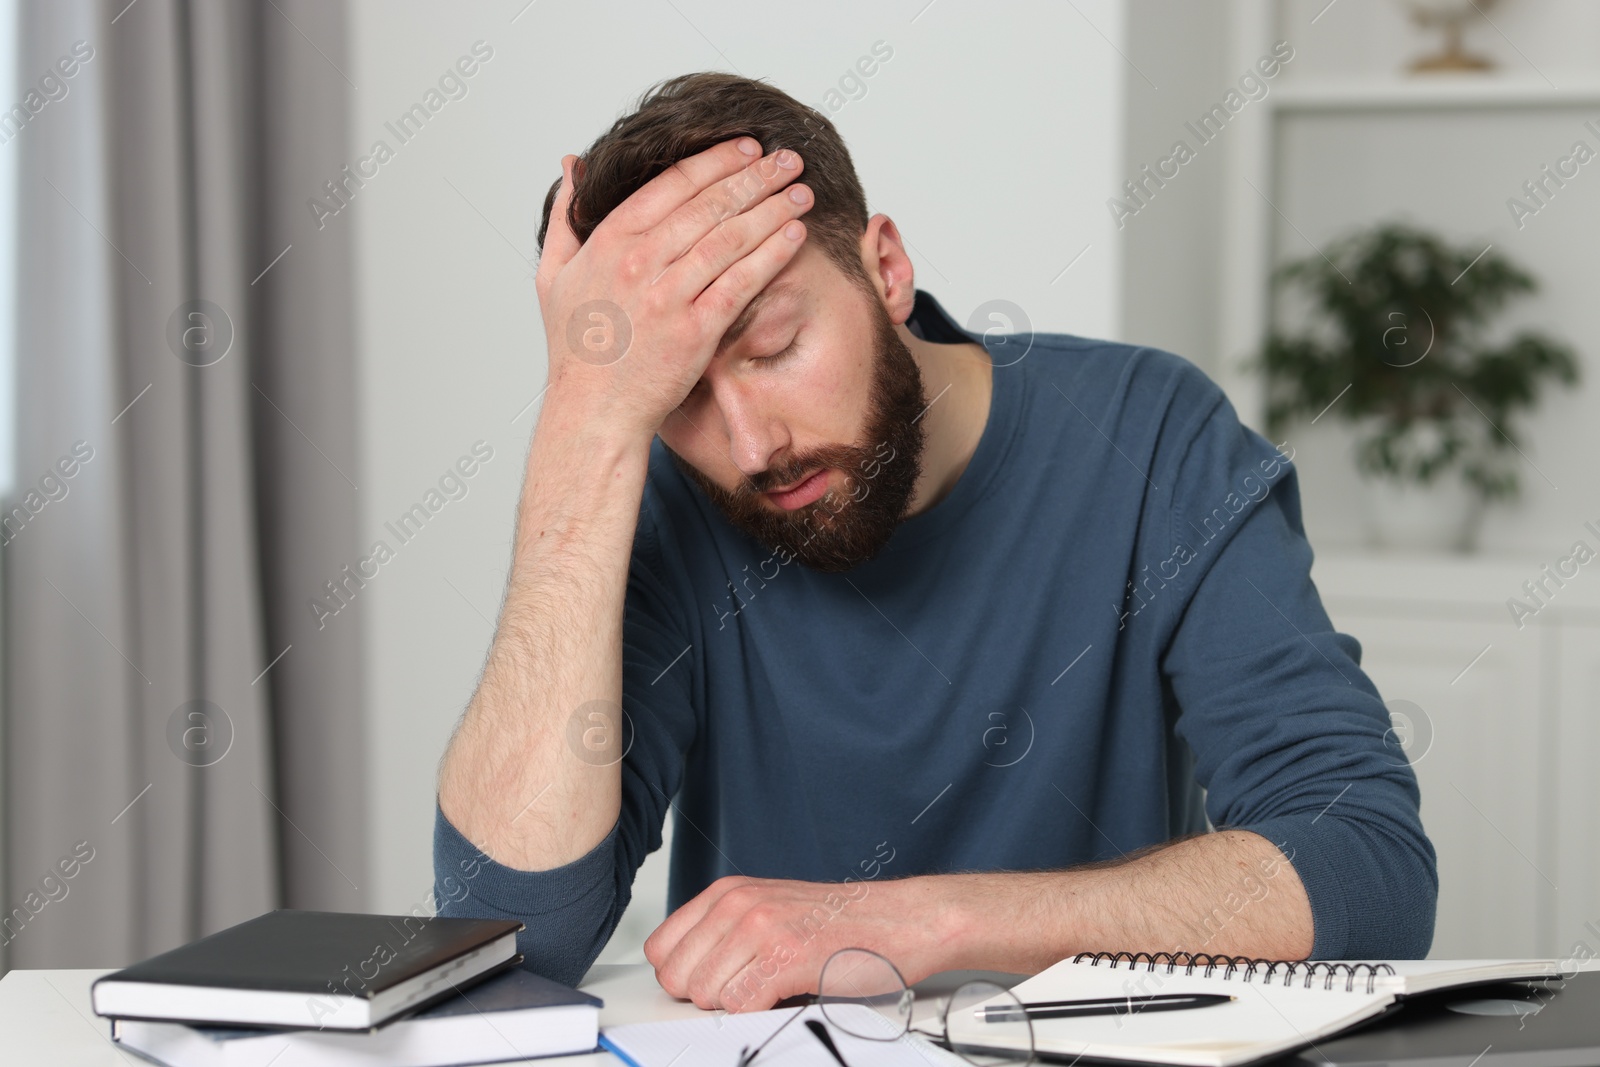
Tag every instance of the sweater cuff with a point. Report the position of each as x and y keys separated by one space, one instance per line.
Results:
x=462 y=870
x=1308 y=847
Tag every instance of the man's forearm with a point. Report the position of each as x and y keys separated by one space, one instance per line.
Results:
x=746 y=943
x=633 y=313
x=511 y=781
x=1226 y=893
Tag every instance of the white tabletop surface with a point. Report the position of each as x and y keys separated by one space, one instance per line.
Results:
x=45 y=1016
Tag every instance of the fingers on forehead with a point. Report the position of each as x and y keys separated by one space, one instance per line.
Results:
x=717 y=162
x=683 y=181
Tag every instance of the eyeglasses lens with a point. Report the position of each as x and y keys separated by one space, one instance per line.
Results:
x=863 y=994
x=986 y=1024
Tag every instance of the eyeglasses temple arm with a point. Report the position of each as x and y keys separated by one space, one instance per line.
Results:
x=747 y=1058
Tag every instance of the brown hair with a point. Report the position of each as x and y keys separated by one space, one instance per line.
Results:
x=692 y=112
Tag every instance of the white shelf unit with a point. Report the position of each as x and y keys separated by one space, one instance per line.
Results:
x=1432 y=91
x=1248 y=209
x=1505 y=741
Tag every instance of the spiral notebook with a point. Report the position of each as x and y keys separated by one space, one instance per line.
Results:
x=1278 y=1005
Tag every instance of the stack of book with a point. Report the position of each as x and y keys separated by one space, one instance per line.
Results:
x=326 y=989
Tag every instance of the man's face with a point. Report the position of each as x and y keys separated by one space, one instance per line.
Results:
x=812 y=392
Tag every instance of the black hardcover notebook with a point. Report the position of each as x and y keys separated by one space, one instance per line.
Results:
x=311 y=969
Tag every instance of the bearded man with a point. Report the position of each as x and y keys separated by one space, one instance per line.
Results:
x=978 y=651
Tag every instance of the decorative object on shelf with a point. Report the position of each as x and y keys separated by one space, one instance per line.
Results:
x=1448 y=15
x=1397 y=348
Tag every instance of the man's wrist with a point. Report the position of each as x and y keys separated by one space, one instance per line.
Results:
x=956 y=920
x=584 y=464
x=573 y=411
x=967 y=919
x=1001 y=921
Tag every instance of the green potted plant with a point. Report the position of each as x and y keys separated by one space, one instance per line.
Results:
x=1397 y=347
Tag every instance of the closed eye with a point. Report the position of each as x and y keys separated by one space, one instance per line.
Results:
x=700 y=386
x=777 y=355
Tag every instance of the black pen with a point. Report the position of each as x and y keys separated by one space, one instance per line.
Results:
x=1066 y=1009
x=821 y=1033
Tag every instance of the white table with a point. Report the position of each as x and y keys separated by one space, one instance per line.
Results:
x=45 y=1016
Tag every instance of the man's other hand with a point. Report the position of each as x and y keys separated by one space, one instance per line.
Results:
x=746 y=943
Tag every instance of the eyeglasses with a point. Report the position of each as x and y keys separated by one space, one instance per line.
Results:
x=862 y=994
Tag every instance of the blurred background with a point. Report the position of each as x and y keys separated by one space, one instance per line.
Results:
x=266 y=295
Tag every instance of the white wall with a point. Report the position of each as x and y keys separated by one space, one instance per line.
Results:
x=993 y=137
x=1178 y=51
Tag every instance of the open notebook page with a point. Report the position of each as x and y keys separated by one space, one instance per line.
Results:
x=717 y=1040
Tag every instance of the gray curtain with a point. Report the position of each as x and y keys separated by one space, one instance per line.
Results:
x=182 y=744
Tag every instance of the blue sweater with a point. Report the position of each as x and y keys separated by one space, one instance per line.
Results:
x=1110 y=611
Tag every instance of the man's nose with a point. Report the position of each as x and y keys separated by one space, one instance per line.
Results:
x=754 y=436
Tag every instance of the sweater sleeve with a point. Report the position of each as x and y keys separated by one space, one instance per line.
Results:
x=1290 y=736
x=570 y=911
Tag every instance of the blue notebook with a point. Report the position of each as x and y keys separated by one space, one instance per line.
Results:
x=514 y=1015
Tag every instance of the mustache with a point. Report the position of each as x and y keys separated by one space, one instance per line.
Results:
x=841 y=457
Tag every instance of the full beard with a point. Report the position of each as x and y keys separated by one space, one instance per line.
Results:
x=846 y=527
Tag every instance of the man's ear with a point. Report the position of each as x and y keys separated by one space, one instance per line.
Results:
x=883 y=254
